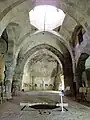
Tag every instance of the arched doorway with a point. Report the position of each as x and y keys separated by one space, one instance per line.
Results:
x=43 y=72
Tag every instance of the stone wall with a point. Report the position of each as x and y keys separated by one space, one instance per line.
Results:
x=39 y=76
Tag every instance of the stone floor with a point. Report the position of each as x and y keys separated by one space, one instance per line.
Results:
x=12 y=110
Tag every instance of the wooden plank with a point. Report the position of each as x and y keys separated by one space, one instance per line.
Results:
x=62 y=104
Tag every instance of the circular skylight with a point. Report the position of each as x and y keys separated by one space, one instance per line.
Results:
x=46 y=17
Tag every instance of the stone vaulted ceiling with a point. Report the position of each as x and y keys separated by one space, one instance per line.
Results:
x=23 y=38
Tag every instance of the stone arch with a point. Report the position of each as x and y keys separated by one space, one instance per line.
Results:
x=55 y=35
x=80 y=68
x=6 y=15
x=77 y=29
x=18 y=3
x=37 y=58
x=63 y=59
x=11 y=37
x=24 y=58
x=4 y=43
x=48 y=53
x=63 y=5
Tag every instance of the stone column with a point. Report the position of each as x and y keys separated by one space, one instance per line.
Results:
x=18 y=77
x=13 y=32
x=9 y=78
x=10 y=65
x=68 y=74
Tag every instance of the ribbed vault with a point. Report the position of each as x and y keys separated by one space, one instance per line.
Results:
x=25 y=57
x=23 y=40
x=65 y=60
x=64 y=5
x=38 y=55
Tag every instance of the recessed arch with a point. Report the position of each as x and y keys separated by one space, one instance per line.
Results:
x=76 y=31
x=38 y=47
x=81 y=62
x=46 y=52
x=81 y=67
x=22 y=61
x=55 y=35
x=41 y=58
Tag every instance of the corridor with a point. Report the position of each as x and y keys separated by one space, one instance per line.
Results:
x=44 y=48
x=12 y=111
